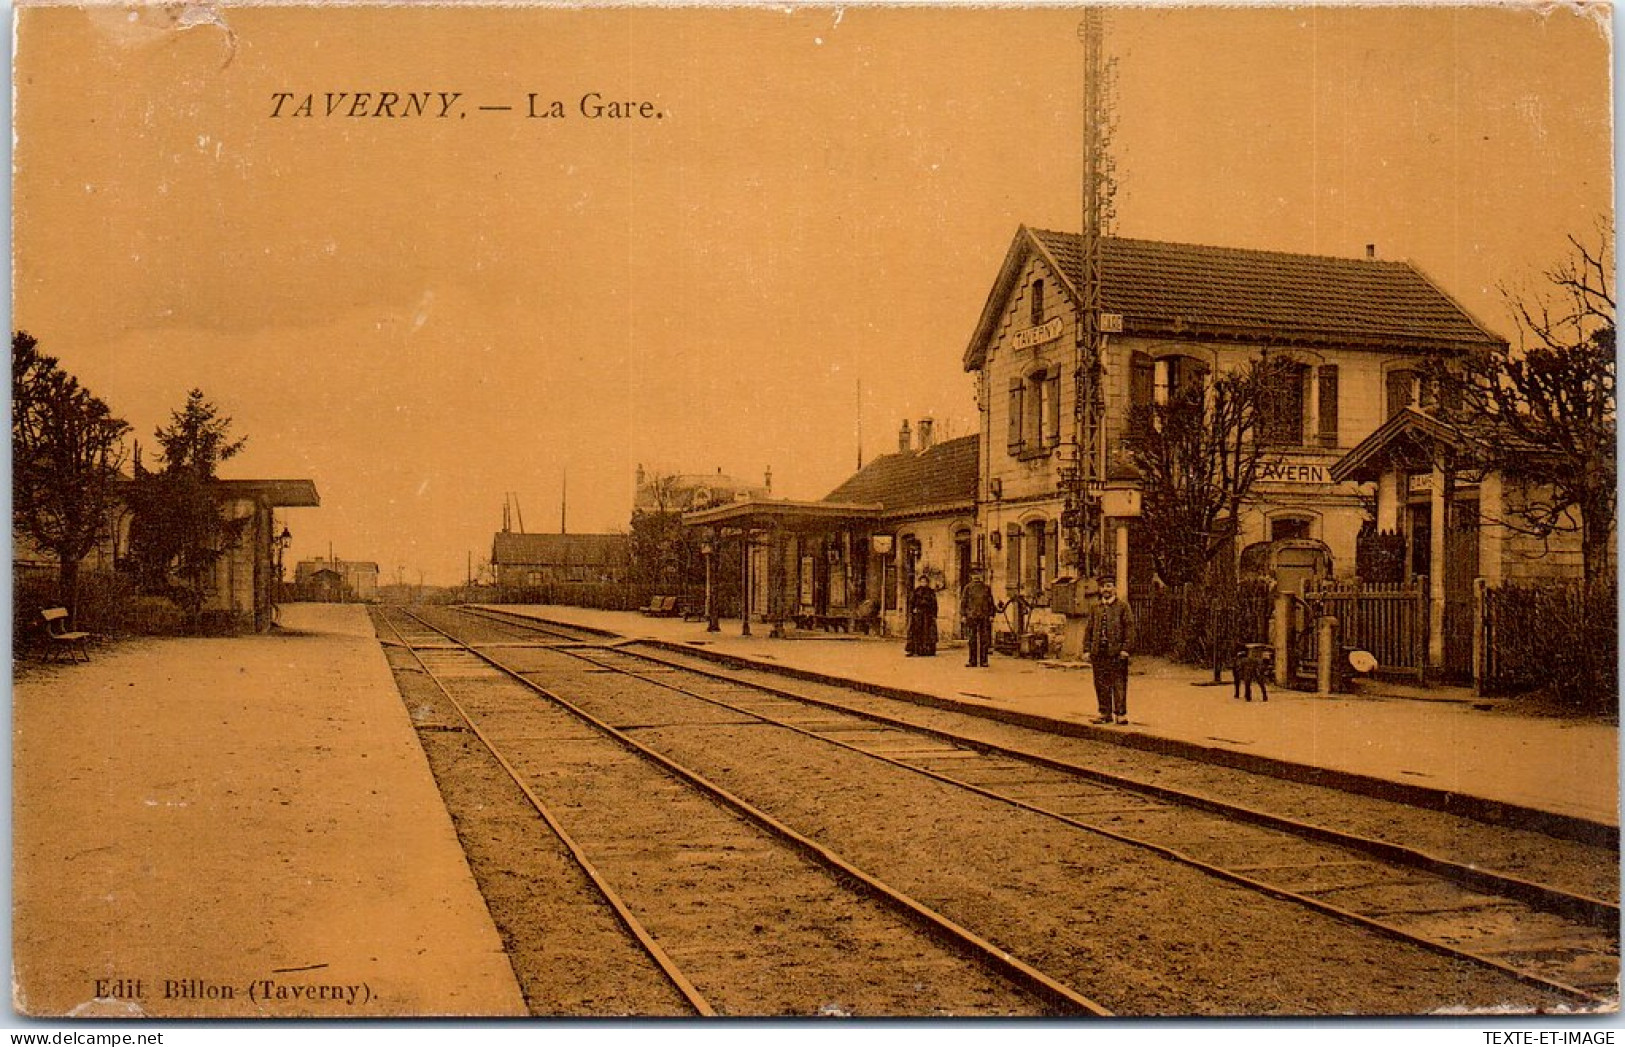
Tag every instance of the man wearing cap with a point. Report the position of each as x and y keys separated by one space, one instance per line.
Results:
x=1111 y=635
x=976 y=608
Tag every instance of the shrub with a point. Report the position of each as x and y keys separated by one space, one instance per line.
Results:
x=1560 y=641
x=108 y=606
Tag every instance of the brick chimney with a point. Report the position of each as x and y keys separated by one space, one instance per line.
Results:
x=905 y=438
x=923 y=434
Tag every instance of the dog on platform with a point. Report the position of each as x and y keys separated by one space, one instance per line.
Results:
x=1252 y=664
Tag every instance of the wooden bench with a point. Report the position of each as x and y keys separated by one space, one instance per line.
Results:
x=830 y=623
x=60 y=639
x=661 y=607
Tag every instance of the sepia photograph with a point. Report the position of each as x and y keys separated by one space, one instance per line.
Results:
x=938 y=512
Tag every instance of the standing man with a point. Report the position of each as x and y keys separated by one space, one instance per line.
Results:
x=1111 y=635
x=976 y=608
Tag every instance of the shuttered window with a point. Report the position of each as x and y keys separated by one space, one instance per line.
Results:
x=1141 y=390
x=1285 y=389
x=1052 y=407
x=1017 y=412
x=1328 y=405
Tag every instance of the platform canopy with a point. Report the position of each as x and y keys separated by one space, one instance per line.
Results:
x=281 y=494
x=783 y=513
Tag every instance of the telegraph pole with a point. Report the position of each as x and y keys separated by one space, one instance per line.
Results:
x=1084 y=478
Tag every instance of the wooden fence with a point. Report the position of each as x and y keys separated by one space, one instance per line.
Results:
x=1389 y=620
x=1202 y=624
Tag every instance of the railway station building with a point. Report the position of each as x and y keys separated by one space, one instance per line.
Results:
x=1348 y=335
x=1353 y=447
x=846 y=561
x=241 y=589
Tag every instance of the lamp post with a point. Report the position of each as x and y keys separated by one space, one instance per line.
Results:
x=279 y=545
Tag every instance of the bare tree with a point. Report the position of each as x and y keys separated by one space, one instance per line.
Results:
x=661 y=552
x=1543 y=414
x=66 y=448
x=1199 y=456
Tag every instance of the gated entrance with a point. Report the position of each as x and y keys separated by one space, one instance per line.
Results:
x=1390 y=621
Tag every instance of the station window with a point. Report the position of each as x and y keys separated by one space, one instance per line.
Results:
x=1285 y=402
x=1038 y=302
x=1035 y=411
x=1158 y=382
x=1403 y=388
x=1287 y=527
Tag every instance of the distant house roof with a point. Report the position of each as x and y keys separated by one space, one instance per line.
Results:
x=686 y=492
x=568 y=550
x=1196 y=291
x=940 y=475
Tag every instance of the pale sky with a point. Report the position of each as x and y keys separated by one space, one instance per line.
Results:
x=421 y=314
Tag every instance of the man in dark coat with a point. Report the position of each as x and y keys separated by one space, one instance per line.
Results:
x=922 y=619
x=977 y=607
x=1111 y=636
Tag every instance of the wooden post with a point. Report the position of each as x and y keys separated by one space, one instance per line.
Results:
x=1326 y=653
x=1437 y=504
x=846 y=577
x=1281 y=637
x=1480 y=652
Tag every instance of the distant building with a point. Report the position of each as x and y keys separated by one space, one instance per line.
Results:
x=521 y=561
x=689 y=492
x=324 y=580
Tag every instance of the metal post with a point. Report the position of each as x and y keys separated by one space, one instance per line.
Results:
x=711 y=624
x=744 y=582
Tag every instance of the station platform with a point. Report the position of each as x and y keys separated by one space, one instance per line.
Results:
x=239 y=828
x=1431 y=744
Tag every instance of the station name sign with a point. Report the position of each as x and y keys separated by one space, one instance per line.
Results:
x=1291 y=473
x=1032 y=336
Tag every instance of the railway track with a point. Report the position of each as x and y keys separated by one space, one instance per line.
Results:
x=702 y=882
x=1560 y=944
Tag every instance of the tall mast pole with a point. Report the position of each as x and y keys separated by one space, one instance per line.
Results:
x=1088 y=474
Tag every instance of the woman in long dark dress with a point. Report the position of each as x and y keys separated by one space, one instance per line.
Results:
x=922 y=620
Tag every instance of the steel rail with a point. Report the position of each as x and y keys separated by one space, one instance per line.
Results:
x=667 y=965
x=1023 y=974
x=1596 y=912
x=1394 y=853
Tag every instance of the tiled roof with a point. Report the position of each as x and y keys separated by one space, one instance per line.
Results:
x=508 y=547
x=1192 y=290
x=942 y=474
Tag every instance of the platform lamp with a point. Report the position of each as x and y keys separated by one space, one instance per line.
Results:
x=280 y=544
